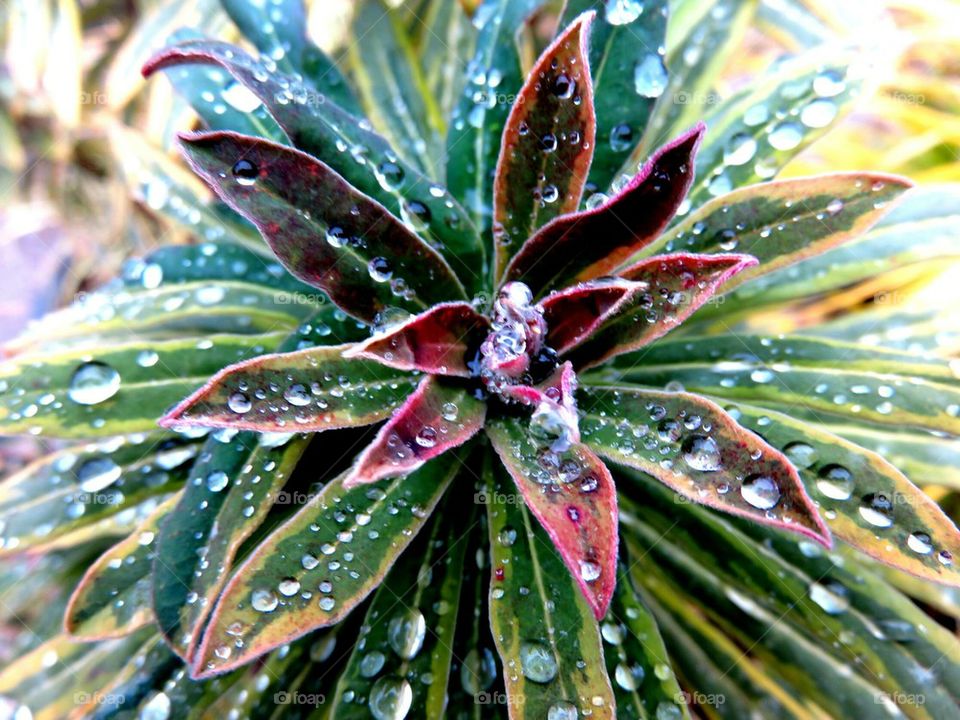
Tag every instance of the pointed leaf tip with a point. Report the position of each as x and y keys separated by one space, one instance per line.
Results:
x=702 y=453
x=668 y=290
x=547 y=144
x=584 y=245
x=437 y=341
x=573 y=496
x=434 y=419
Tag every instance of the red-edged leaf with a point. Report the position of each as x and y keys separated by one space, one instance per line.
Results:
x=676 y=286
x=585 y=245
x=321 y=228
x=574 y=498
x=435 y=342
x=694 y=447
x=555 y=404
x=434 y=419
x=305 y=391
x=574 y=314
x=547 y=143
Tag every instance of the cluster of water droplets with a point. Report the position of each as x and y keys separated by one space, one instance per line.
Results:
x=518 y=332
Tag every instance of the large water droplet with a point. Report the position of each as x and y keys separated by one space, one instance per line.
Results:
x=563 y=711
x=239 y=402
x=217 y=481
x=786 y=136
x=264 y=600
x=650 y=76
x=92 y=383
x=920 y=543
x=818 y=114
x=836 y=482
x=97 y=474
x=740 y=149
x=701 y=453
x=622 y=12
x=832 y=597
x=877 y=510
x=245 y=172
x=801 y=454
x=156 y=708
x=537 y=662
x=390 y=698
x=629 y=677
x=372 y=663
x=760 y=491
x=406 y=632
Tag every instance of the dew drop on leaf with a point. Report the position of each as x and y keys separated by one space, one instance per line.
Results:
x=156 y=708
x=563 y=711
x=379 y=269
x=289 y=587
x=628 y=677
x=701 y=453
x=245 y=172
x=836 y=482
x=920 y=543
x=650 y=76
x=622 y=12
x=877 y=510
x=239 y=403
x=801 y=454
x=217 y=481
x=92 y=383
x=831 y=597
x=372 y=663
x=98 y=474
x=537 y=662
x=740 y=149
x=390 y=698
x=760 y=491
x=786 y=136
x=406 y=633
x=297 y=394
x=264 y=600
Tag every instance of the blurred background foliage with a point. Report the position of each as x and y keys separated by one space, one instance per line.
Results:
x=88 y=177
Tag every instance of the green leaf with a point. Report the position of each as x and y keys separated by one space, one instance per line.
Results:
x=820 y=630
x=573 y=497
x=393 y=89
x=930 y=212
x=628 y=75
x=281 y=35
x=865 y=500
x=448 y=40
x=714 y=31
x=782 y=223
x=221 y=102
x=636 y=658
x=319 y=565
x=547 y=144
x=695 y=448
x=546 y=635
x=494 y=77
x=819 y=390
x=98 y=489
x=70 y=683
x=121 y=389
x=363 y=158
x=755 y=133
x=227 y=496
x=113 y=598
x=308 y=390
x=403 y=656
x=324 y=231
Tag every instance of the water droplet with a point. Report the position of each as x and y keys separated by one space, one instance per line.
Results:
x=449 y=412
x=245 y=172
x=372 y=663
x=390 y=175
x=701 y=453
x=98 y=474
x=240 y=98
x=801 y=454
x=156 y=708
x=832 y=597
x=877 y=510
x=289 y=587
x=621 y=138
x=563 y=711
x=629 y=677
x=379 y=269
x=589 y=571
x=786 y=136
x=829 y=83
x=264 y=600
x=668 y=711
x=818 y=114
x=427 y=437
x=920 y=543
x=327 y=604
x=298 y=395
x=92 y=383
x=217 y=481
x=564 y=86
x=147 y=358
x=740 y=149
x=507 y=536
x=537 y=662
x=650 y=76
x=239 y=402
x=622 y=12
x=406 y=633
x=390 y=698
x=760 y=491
x=836 y=482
